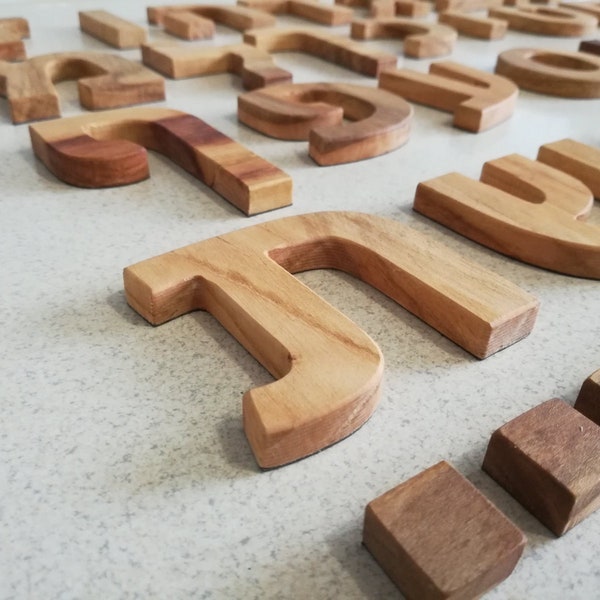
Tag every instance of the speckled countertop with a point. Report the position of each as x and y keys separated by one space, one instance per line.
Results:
x=124 y=470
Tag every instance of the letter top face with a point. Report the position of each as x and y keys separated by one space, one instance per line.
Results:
x=329 y=369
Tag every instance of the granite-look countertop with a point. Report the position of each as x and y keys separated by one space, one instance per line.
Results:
x=124 y=469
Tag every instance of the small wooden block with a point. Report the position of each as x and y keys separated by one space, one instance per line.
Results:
x=577 y=159
x=106 y=149
x=328 y=370
x=590 y=8
x=256 y=67
x=12 y=31
x=189 y=26
x=315 y=111
x=549 y=460
x=588 y=400
x=591 y=46
x=465 y=5
x=111 y=29
x=521 y=208
x=334 y=48
x=436 y=536
x=383 y=9
x=104 y=81
x=311 y=10
x=566 y=74
x=545 y=20
x=421 y=40
x=479 y=100
x=478 y=27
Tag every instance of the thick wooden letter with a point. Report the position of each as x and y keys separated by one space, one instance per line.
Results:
x=328 y=369
x=306 y=9
x=588 y=400
x=111 y=30
x=12 y=31
x=106 y=149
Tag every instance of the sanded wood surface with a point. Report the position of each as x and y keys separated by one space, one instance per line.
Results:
x=588 y=399
x=566 y=74
x=382 y=9
x=328 y=370
x=577 y=159
x=316 y=111
x=465 y=5
x=544 y=20
x=590 y=8
x=196 y=21
x=103 y=81
x=311 y=10
x=107 y=149
x=333 y=48
x=549 y=460
x=12 y=31
x=479 y=100
x=111 y=29
x=486 y=28
x=521 y=208
x=437 y=536
x=421 y=39
x=256 y=67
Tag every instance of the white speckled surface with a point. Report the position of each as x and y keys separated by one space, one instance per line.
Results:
x=124 y=470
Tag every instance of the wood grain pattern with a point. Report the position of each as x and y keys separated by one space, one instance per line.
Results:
x=103 y=81
x=591 y=46
x=12 y=31
x=544 y=20
x=479 y=100
x=107 y=149
x=333 y=48
x=436 y=536
x=588 y=399
x=315 y=111
x=382 y=9
x=566 y=74
x=590 y=8
x=256 y=67
x=111 y=29
x=577 y=159
x=549 y=460
x=485 y=28
x=521 y=208
x=195 y=21
x=311 y=10
x=421 y=39
x=465 y=5
x=328 y=370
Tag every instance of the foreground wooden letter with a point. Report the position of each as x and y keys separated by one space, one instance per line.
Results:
x=421 y=40
x=521 y=208
x=104 y=81
x=328 y=369
x=107 y=149
x=567 y=74
x=12 y=31
x=479 y=100
x=437 y=536
x=549 y=460
x=111 y=29
x=334 y=48
x=256 y=67
x=315 y=111
x=307 y=9
x=588 y=400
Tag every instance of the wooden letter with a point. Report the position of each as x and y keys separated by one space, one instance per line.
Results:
x=421 y=40
x=478 y=27
x=104 y=81
x=590 y=8
x=521 y=208
x=591 y=46
x=328 y=370
x=479 y=100
x=106 y=149
x=315 y=111
x=436 y=536
x=567 y=74
x=383 y=9
x=465 y=5
x=334 y=48
x=256 y=67
x=111 y=29
x=306 y=9
x=549 y=460
x=588 y=400
x=545 y=20
x=12 y=31
x=576 y=159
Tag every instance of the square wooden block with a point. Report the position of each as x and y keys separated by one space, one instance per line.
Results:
x=549 y=460
x=437 y=536
x=588 y=400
